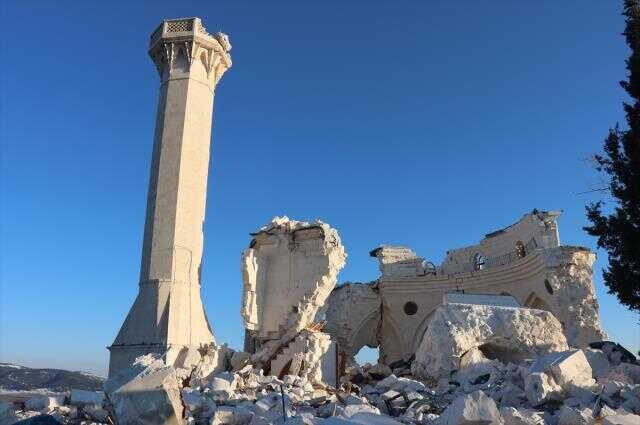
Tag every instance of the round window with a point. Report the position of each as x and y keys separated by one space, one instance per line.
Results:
x=410 y=308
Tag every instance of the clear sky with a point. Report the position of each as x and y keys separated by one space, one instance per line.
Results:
x=425 y=123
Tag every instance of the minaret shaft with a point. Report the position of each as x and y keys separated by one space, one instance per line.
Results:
x=172 y=247
x=168 y=311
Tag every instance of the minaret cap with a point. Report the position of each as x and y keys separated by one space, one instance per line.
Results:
x=191 y=33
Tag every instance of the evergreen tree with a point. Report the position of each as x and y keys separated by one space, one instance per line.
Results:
x=618 y=231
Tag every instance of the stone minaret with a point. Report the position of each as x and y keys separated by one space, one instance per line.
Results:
x=168 y=311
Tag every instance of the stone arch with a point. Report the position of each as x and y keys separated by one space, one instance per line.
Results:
x=181 y=60
x=365 y=333
x=420 y=330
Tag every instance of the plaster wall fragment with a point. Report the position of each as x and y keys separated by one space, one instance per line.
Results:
x=288 y=271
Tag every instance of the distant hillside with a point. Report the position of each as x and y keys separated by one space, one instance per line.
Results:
x=21 y=378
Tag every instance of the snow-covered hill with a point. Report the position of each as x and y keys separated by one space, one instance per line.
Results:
x=21 y=378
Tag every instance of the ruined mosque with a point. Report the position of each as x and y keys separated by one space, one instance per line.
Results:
x=518 y=293
x=290 y=270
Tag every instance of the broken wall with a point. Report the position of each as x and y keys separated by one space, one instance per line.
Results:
x=534 y=230
x=400 y=261
x=549 y=277
x=288 y=271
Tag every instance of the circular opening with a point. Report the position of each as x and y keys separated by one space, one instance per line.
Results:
x=410 y=308
x=548 y=286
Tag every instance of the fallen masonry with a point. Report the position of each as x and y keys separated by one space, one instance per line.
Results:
x=153 y=392
x=508 y=334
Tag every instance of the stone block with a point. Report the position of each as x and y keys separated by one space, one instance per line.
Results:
x=44 y=402
x=621 y=419
x=510 y=334
x=150 y=395
x=472 y=409
x=568 y=367
x=570 y=416
x=513 y=416
x=598 y=361
x=540 y=387
x=82 y=397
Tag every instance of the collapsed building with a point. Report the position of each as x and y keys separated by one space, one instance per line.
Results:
x=524 y=260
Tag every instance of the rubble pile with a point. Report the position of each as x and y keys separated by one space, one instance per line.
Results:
x=569 y=387
x=459 y=333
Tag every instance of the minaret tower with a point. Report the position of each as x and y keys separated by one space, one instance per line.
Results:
x=168 y=311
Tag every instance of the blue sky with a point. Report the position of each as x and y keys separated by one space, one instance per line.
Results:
x=426 y=124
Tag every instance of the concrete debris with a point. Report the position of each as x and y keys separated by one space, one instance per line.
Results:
x=47 y=403
x=150 y=394
x=82 y=398
x=506 y=334
x=513 y=416
x=614 y=352
x=625 y=372
x=213 y=359
x=571 y=416
x=598 y=361
x=566 y=368
x=558 y=388
x=303 y=357
x=540 y=388
x=474 y=408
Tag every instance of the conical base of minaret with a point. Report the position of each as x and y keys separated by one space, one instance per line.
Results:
x=164 y=315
